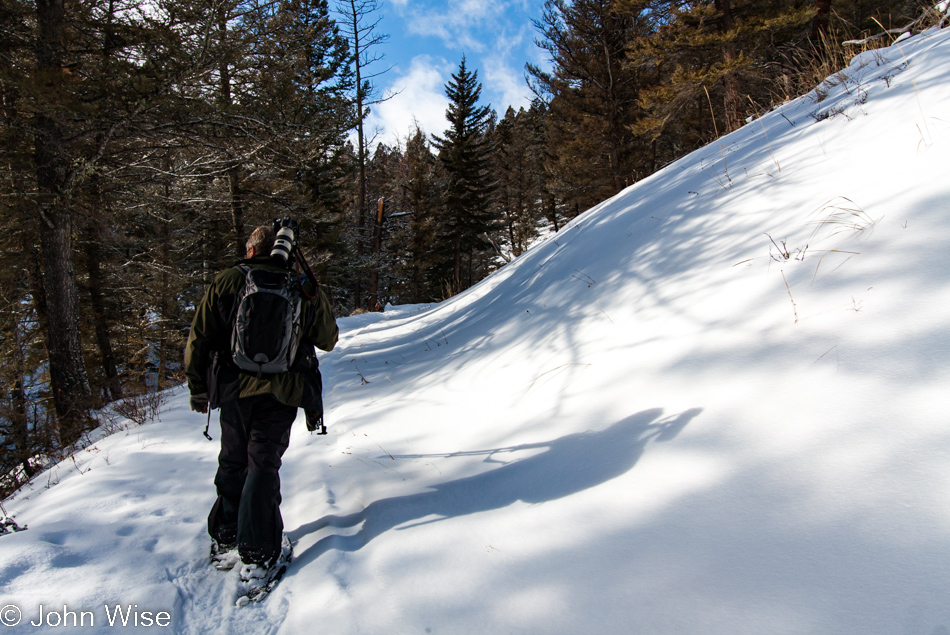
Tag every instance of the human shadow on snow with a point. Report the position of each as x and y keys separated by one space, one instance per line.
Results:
x=566 y=466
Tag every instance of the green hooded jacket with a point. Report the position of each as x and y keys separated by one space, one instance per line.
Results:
x=208 y=364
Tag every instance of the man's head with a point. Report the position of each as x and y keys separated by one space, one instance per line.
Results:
x=261 y=241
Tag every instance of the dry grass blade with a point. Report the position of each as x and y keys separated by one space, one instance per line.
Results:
x=844 y=216
x=831 y=251
x=794 y=306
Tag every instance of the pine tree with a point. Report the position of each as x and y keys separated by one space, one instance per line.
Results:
x=421 y=202
x=714 y=56
x=290 y=111
x=464 y=152
x=591 y=94
x=518 y=172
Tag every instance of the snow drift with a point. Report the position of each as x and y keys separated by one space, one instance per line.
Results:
x=715 y=403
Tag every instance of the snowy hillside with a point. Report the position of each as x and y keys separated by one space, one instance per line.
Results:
x=716 y=403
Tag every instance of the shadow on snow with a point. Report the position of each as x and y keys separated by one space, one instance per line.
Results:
x=566 y=466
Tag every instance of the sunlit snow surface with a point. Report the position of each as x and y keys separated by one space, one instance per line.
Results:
x=716 y=403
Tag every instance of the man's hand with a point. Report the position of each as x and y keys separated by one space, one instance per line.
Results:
x=199 y=403
x=315 y=422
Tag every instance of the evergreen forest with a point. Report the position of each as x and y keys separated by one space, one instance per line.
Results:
x=143 y=141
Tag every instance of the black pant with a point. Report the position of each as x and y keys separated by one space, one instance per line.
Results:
x=255 y=432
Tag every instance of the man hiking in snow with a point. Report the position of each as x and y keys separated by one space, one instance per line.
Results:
x=229 y=365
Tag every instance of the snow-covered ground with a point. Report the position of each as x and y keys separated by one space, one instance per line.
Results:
x=653 y=422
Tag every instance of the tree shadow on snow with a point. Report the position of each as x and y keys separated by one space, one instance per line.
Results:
x=566 y=466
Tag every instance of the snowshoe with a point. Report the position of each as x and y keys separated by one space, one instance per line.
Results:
x=257 y=580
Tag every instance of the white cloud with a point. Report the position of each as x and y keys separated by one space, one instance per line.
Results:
x=421 y=99
x=505 y=44
x=496 y=35
x=505 y=83
x=459 y=23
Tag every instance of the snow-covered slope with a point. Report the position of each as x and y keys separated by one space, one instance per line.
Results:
x=716 y=403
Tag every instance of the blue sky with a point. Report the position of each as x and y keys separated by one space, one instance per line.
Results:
x=426 y=42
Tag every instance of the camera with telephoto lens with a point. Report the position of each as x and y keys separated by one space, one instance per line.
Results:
x=286 y=237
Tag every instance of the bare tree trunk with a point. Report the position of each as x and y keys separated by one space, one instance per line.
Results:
x=68 y=378
x=100 y=314
x=19 y=431
x=34 y=278
x=165 y=301
x=373 y=304
x=235 y=195
x=237 y=209
x=360 y=29
x=615 y=110
x=515 y=248
x=471 y=259
x=550 y=204
x=457 y=271
x=67 y=369
x=354 y=16
x=732 y=101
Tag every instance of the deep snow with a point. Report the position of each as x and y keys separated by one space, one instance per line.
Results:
x=652 y=422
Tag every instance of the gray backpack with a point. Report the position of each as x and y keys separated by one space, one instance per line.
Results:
x=267 y=328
